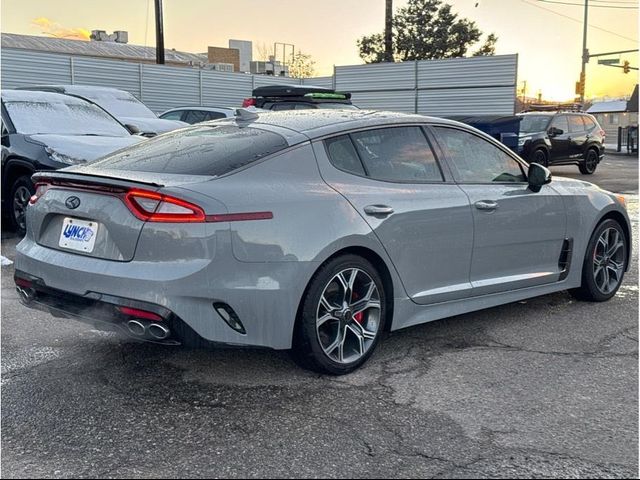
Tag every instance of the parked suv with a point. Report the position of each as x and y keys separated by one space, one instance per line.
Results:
x=294 y=97
x=561 y=138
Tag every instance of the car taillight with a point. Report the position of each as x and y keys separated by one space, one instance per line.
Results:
x=249 y=102
x=156 y=207
x=41 y=189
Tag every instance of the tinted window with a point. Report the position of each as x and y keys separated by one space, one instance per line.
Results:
x=215 y=115
x=196 y=116
x=201 y=150
x=575 y=124
x=343 y=155
x=476 y=160
x=177 y=115
x=397 y=154
x=282 y=106
x=561 y=122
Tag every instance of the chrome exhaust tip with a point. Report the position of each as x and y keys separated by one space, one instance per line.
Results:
x=25 y=294
x=158 y=331
x=136 y=328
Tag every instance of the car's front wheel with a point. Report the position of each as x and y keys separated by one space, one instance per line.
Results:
x=342 y=316
x=590 y=163
x=21 y=191
x=604 y=263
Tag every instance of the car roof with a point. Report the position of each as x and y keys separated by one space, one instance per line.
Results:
x=73 y=89
x=40 y=96
x=310 y=124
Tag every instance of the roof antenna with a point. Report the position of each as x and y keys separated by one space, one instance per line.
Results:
x=247 y=114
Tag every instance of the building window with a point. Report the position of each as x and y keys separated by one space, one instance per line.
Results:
x=614 y=119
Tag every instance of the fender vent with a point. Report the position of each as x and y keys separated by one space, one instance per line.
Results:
x=564 y=263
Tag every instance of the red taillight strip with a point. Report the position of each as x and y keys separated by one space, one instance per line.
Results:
x=239 y=217
x=197 y=214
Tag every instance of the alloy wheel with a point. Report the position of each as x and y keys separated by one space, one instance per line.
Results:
x=20 y=201
x=609 y=258
x=348 y=315
x=592 y=161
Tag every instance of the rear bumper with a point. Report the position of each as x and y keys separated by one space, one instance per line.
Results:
x=99 y=310
x=264 y=296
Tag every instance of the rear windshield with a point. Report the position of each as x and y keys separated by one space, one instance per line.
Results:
x=201 y=150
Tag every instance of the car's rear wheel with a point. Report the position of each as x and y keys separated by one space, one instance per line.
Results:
x=604 y=263
x=342 y=316
x=590 y=162
x=21 y=191
x=541 y=157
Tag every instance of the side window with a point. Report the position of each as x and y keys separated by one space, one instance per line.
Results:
x=343 y=155
x=561 y=122
x=196 y=116
x=177 y=115
x=400 y=154
x=282 y=106
x=589 y=123
x=476 y=160
x=576 y=125
x=215 y=115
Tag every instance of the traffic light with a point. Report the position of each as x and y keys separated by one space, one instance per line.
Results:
x=625 y=66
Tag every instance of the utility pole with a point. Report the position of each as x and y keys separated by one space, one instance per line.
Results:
x=159 y=33
x=388 y=31
x=585 y=52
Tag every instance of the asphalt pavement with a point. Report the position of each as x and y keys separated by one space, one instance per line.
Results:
x=542 y=388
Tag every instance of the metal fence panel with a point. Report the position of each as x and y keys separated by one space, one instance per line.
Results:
x=221 y=89
x=107 y=73
x=169 y=87
x=324 y=82
x=379 y=76
x=395 y=101
x=467 y=101
x=494 y=71
x=21 y=68
x=264 y=80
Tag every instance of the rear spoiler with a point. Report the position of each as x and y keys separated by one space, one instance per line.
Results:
x=89 y=179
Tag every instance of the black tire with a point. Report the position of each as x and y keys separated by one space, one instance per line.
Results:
x=590 y=290
x=540 y=156
x=308 y=351
x=21 y=189
x=590 y=163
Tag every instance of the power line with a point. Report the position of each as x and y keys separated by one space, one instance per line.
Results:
x=635 y=40
x=582 y=5
x=616 y=1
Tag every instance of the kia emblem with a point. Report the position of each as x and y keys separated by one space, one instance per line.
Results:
x=72 y=202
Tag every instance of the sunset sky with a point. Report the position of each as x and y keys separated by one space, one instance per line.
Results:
x=548 y=43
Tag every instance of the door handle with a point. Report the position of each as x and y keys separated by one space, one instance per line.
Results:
x=378 y=210
x=486 y=205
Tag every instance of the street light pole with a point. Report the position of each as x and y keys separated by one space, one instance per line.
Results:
x=585 y=53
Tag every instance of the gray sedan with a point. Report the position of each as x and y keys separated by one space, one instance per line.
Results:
x=313 y=231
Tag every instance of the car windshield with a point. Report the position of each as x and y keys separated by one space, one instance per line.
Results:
x=534 y=123
x=72 y=117
x=202 y=150
x=119 y=104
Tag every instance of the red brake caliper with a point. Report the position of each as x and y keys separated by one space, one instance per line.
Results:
x=358 y=316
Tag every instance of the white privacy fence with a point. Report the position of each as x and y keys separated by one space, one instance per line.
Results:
x=472 y=86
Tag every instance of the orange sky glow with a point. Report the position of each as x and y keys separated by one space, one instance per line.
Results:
x=547 y=36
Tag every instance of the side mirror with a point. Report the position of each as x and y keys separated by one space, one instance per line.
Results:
x=133 y=130
x=538 y=176
x=554 y=132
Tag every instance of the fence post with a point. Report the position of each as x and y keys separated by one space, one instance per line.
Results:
x=140 y=82
x=415 y=92
x=334 y=81
x=619 y=149
x=200 y=82
x=72 y=70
